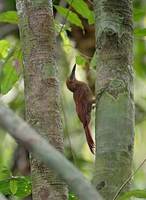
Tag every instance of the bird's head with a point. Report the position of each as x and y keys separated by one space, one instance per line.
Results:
x=71 y=81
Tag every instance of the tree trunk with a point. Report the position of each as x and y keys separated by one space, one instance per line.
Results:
x=41 y=90
x=114 y=92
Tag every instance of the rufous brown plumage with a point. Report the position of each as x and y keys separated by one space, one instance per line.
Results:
x=84 y=100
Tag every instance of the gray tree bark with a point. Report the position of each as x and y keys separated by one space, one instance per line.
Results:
x=114 y=93
x=41 y=90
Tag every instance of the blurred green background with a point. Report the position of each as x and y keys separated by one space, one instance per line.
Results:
x=75 y=43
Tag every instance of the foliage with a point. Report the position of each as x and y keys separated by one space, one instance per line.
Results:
x=93 y=61
x=11 y=61
x=140 y=32
x=11 y=76
x=82 y=8
x=138 y=14
x=4 y=47
x=9 y=17
x=80 y=60
x=133 y=193
x=71 y=16
x=19 y=186
x=72 y=197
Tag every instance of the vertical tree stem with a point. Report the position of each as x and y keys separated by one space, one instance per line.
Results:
x=114 y=92
x=41 y=89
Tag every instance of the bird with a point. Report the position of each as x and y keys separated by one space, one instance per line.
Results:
x=84 y=100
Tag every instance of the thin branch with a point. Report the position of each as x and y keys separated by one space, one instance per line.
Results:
x=90 y=2
x=67 y=14
x=22 y=132
x=128 y=179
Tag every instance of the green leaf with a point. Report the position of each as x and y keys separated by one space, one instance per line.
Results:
x=10 y=72
x=82 y=8
x=13 y=186
x=9 y=17
x=91 y=18
x=4 y=187
x=140 y=32
x=70 y=16
x=4 y=173
x=72 y=196
x=8 y=78
x=93 y=61
x=80 y=60
x=20 y=186
x=24 y=186
x=66 y=42
x=133 y=193
x=138 y=14
x=4 y=48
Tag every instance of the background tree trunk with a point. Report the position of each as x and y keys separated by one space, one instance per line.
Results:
x=41 y=89
x=114 y=92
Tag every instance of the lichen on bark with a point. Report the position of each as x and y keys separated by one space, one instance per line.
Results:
x=42 y=95
x=114 y=92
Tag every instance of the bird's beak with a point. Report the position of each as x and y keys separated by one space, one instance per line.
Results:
x=72 y=76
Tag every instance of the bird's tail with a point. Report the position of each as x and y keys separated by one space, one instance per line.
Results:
x=89 y=139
